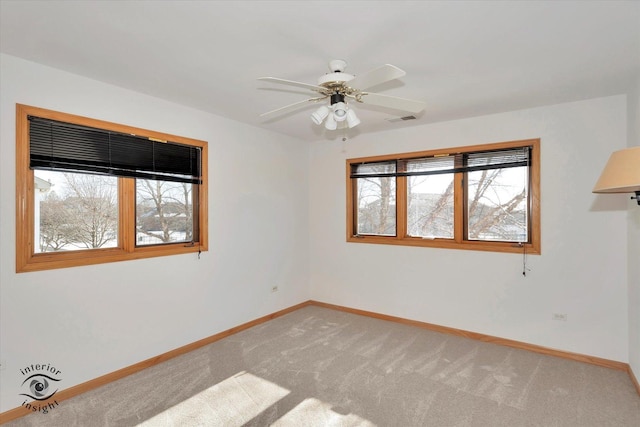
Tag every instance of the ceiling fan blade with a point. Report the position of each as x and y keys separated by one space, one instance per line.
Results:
x=376 y=76
x=395 y=103
x=315 y=88
x=291 y=107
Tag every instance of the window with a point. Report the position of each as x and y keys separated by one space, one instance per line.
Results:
x=90 y=192
x=479 y=197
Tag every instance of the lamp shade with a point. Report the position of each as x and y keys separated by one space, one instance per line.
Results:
x=352 y=119
x=330 y=123
x=621 y=173
x=320 y=114
x=340 y=111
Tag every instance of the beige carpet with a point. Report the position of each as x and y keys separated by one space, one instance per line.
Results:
x=320 y=367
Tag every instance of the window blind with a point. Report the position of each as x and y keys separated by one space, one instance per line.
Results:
x=452 y=163
x=68 y=147
x=374 y=169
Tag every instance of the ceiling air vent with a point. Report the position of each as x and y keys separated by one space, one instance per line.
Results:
x=400 y=119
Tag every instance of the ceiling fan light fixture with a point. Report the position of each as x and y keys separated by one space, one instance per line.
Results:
x=320 y=114
x=339 y=111
x=330 y=123
x=352 y=119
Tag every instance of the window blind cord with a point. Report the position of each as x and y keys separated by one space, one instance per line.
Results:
x=524 y=246
x=192 y=244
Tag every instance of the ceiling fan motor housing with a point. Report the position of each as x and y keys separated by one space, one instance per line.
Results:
x=334 y=78
x=337 y=97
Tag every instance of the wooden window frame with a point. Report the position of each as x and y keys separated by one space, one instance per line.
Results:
x=533 y=246
x=26 y=258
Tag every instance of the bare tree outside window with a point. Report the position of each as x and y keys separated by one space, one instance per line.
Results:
x=496 y=205
x=377 y=206
x=376 y=201
x=94 y=209
x=430 y=206
x=164 y=212
x=55 y=224
x=81 y=213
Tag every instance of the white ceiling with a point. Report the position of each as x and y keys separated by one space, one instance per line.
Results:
x=462 y=58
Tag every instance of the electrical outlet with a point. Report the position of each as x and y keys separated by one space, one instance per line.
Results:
x=274 y=288
x=560 y=316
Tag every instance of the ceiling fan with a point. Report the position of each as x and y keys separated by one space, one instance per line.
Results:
x=341 y=88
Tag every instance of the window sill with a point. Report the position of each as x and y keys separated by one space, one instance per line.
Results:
x=505 y=247
x=55 y=260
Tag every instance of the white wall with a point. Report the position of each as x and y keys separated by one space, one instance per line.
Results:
x=89 y=321
x=583 y=267
x=634 y=244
